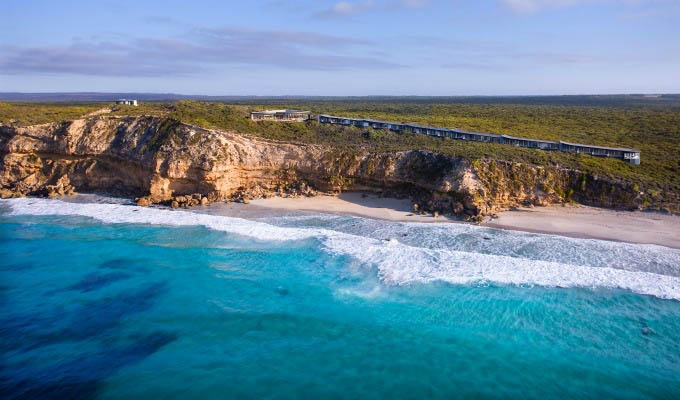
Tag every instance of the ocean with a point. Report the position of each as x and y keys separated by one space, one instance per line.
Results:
x=107 y=300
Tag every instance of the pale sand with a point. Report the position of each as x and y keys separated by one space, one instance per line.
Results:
x=589 y=222
x=351 y=203
x=573 y=221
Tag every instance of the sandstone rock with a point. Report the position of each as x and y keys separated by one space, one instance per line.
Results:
x=174 y=204
x=143 y=201
x=61 y=187
x=204 y=201
x=6 y=194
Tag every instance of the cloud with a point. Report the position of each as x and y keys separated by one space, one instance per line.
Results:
x=458 y=54
x=197 y=51
x=347 y=8
x=531 y=6
x=279 y=37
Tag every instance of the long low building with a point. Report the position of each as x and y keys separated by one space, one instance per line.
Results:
x=629 y=155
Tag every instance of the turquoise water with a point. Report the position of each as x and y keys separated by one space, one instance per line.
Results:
x=120 y=302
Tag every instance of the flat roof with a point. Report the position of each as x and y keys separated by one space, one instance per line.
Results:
x=480 y=133
x=285 y=111
x=475 y=133
x=601 y=147
x=425 y=127
x=531 y=139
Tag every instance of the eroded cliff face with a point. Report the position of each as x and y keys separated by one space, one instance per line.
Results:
x=159 y=160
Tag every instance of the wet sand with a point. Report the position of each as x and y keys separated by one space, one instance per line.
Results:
x=573 y=221
x=357 y=204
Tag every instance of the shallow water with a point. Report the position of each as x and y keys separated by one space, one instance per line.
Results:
x=116 y=301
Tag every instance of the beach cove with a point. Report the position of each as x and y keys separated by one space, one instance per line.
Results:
x=571 y=220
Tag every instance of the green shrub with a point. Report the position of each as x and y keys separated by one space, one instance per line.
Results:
x=611 y=121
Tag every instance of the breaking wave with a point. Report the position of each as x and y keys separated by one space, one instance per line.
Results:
x=429 y=253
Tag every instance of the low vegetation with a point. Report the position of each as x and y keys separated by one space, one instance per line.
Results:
x=652 y=127
x=40 y=113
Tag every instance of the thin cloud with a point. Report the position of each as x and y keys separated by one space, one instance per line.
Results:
x=349 y=8
x=532 y=6
x=529 y=6
x=483 y=54
x=200 y=50
x=281 y=37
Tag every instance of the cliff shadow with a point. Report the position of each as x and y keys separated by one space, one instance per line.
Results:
x=372 y=200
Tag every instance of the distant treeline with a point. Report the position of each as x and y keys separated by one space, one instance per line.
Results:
x=627 y=100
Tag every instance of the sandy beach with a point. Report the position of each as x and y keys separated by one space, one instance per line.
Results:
x=358 y=204
x=573 y=221
x=596 y=223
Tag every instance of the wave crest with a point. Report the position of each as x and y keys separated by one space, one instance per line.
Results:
x=398 y=263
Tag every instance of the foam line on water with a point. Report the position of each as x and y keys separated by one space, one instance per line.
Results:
x=397 y=263
x=470 y=238
x=400 y=264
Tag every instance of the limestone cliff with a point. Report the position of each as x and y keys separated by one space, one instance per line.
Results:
x=161 y=160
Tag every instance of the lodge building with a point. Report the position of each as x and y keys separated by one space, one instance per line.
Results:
x=128 y=102
x=629 y=155
x=280 y=115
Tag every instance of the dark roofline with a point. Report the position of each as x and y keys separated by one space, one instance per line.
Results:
x=480 y=133
x=601 y=147
x=533 y=140
x=475 y=133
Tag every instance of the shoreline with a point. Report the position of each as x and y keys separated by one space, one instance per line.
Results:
x=355 y=204
x=585 y=222
x=570 y=221
x=576 y=221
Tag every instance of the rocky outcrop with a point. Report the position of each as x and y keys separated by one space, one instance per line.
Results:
x=161 y=160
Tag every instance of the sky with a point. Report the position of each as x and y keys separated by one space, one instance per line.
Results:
x=341 y=48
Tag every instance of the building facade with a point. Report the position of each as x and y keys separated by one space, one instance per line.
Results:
x=280 y=115
x=127 y=102
x=629 y=155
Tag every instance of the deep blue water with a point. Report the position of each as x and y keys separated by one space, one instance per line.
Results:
x=90 y=309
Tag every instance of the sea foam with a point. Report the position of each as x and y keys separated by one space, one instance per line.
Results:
x=430 y=256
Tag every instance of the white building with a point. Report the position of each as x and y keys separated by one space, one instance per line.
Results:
x=279 y=115
x=127 y=102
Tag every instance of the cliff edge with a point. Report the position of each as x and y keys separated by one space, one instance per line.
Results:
x=162 y=160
